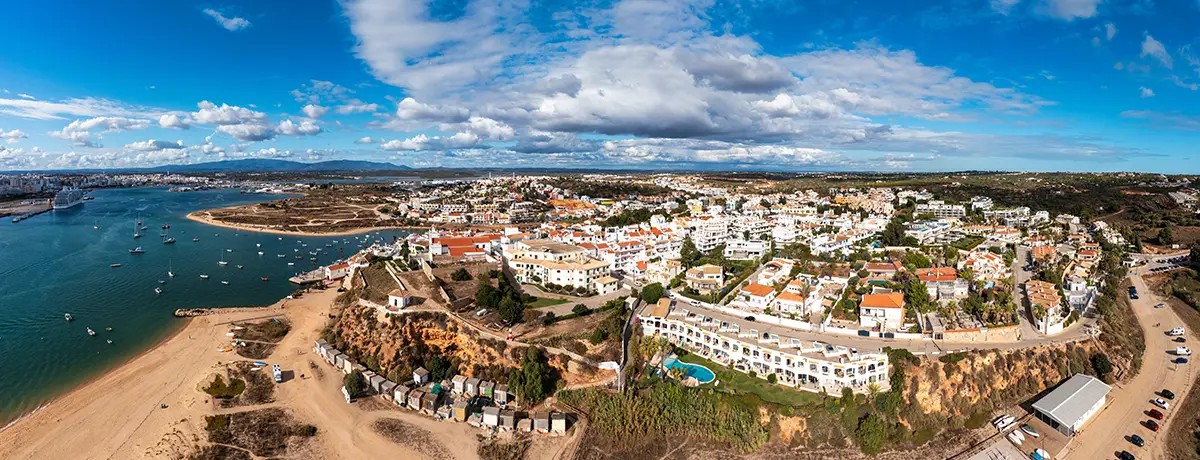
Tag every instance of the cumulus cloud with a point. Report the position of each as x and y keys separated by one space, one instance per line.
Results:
x=231 y=24
x=1156 y=50
x=248 y=132
x=174 y=121
x=13 y=136
x=1110 y=31
x=304 y=128
x=314 y=111
x=356 y=106
x=409 y=110
x=79 y=132
x=225 y=114
x=1146 y=92
x=422 y=142
x=153 y=145
x=364 y=140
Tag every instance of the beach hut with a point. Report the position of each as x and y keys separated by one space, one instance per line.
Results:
x=524 y=425
x=348 y=364
x=330 y=354
x=388 y=390
x=558 y=422
x=541 y=422
x=491 y=416
x=377 y=382
x=508 y=419
x=319 y=347
x=501 y=394
x=472 y=387
x=429 y=403
x=420 y=376
x=459 y=383
x=336 y=360
x=487 y=388
x=459 y=411
x=414 y=399
x=400 y=395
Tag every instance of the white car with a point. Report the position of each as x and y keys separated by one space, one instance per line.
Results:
x=1176 y=331
x=1160 y=403
x=1182 y=351
x=1160 y=305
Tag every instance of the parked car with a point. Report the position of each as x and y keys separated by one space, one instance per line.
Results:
x=1161 y=403
x=1155 y=414
x=1137 y=440
x=1182 y=351
x=1175 y=331
x=749 y=318
x=1180 y=340
x=1152 y=425
x=1160 y=305
x=1125 y=456
x=1167 y=394
x=1180 y=360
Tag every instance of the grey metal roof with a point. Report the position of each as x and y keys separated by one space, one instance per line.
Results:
x=1067 y=403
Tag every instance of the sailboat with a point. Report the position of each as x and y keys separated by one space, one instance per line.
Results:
x=168 y=240
x=196 y=239
x=91 y=332
x=223 y=262
x=170 y=271
x=137 y=250
x=67 y=316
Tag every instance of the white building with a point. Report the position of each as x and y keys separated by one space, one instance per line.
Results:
x=1072 y=404
x=740 y=249
x=941 y=210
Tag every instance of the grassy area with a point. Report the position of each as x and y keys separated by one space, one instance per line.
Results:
x=543 y=302
x=220 y=390
x=968 y=242
x=741 y=382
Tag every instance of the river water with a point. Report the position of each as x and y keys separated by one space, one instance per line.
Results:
x=58 y=263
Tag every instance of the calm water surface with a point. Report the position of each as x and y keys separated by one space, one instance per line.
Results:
x=58 y=263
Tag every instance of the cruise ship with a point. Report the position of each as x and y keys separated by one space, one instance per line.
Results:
x=68 y=197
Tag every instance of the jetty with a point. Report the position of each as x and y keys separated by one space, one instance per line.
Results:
x=314 y=276
x=25 y=215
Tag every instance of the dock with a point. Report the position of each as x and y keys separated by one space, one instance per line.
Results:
x=26 y=215
x=309 y=277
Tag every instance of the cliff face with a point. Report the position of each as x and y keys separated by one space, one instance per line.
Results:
x=398 y=344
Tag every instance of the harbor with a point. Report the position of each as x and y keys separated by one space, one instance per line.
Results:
x=138 y=296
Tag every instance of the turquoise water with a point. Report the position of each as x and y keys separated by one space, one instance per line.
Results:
x=700 y=373
x=57 y=263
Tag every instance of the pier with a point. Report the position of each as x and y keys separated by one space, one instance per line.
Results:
x=28 y=214
x=309 y=277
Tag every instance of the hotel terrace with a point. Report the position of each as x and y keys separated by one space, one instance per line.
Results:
x=764 y=349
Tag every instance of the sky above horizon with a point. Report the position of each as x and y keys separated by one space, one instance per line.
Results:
x=1038 y=85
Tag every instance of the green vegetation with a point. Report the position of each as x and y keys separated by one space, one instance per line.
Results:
x=1185 y=286
x=506 y=300
x=1121 y=331
x=461 y=275
x=630 y=217
x=741 y=383
x=1102 y=366
x=220 y=390
x=355 y=383
x=440 y=368
x=669 y=409
x=535 y=380
x=543 y=302
x=652 y=292
x=968 y=242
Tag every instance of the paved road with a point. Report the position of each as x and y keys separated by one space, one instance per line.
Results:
x=1020 y=276
x=572 y=301
x=1105 y=435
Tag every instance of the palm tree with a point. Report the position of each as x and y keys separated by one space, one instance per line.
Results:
x=873 y=391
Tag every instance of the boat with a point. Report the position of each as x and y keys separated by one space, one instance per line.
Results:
x=265 y=279
x=109 y=329
x=114 y=265
x=162 y=282
x=260 y=253
x=137 y=235
x=222 y=262
x=258 y=245
x=225 y=283
x=280 y=256
x=166 y=226
x=145 y=227
x=239 y=267
x=169 y=240
x=68 y=198
x=67 y=316
x=196 y=239
x=228 y=250
x=203 y=277
x=291 y=264
x=137 y=250
x=110 y=341
x=259 y=363
x=158 y=290
x=91 y=332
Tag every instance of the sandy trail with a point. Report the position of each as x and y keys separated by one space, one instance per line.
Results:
x=203 y=217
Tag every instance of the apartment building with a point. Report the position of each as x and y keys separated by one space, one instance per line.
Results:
x=705 y=278
x=549 y=262
x=739 y=249
x=941 y=210
x=709 y=234
x=929 y=231
x=765 y=349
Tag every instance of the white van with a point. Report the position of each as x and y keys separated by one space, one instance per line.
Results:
x=1176 y=331
x=1182 y=351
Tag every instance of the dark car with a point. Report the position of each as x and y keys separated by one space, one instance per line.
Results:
x=1125 y=456
x=1152 y=425
x=1154 y=413
x=1180 y=339
x=1167 y=394
x=749 y=318
x=1137 y=440
x=1180 y=360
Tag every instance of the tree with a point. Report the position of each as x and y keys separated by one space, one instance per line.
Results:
x=652 y=292
x=354 y=383
x=1165 y=236
x=580 y=310
x=916 y=294
x=439 y=368
x=461 y=275
x=511 y=309
x=893 y=233
x=405 y=251
x=535 y=380
x=871 y=434
x=688 y=254
x=914 y=259
x=486 y=295
x=1102 y=366
x=1194 y=255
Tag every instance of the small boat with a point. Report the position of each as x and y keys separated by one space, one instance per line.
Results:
x=259 y=363
x=203 y=277
x=137 y=235
x=95 y=227
x=228 y=250
x=145 y=227
x=169 y=241
x=162 y=282
x=265 y=279
x=196 y=239
x=225 y=283
x=258 y=245
x=280 y=256
x=281 y=238
x=110 y=341
x=165 y=226
x=158 y=290
x=291 y=264
x=67 y=316
x=91 y=332
x=137 y=250
x=109 y=329
x=260 y=253
x=114 y=265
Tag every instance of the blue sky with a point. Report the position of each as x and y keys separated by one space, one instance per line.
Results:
x=1048 y=85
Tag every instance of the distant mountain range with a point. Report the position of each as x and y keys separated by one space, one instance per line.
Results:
x=256 y=165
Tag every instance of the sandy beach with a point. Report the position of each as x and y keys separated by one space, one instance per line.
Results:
x=202 y=217
x=119 y=414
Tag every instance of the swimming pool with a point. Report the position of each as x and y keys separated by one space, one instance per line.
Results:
x=700 y=373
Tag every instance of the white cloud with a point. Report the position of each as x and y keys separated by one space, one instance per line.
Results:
x=231 y=24
x=1146 y=92
x=154 y=145
x=304 y=128
x=212 y=114
x=1067 y=10
x=26 y=96
x=1110 y=31
x=314 y=111
x=409 y=110
x=74 y=107
x=79 y=131
x=174 y=121
x=356 y=106
x=248 y=132
x=422 y=142
x=1155 y=49
x=13 y=136
x=365 y=140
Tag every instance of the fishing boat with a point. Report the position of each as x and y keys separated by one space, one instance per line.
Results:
x=114 y=265
x=67 y=316
x=91 y=332
x=158 y=290
x=203 y=277
x=137 y=250
x=265 y=279
x=225 y=283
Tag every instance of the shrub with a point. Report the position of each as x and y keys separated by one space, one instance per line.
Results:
x=772 y=379
x=580 y=310
x=306 y=430
x=220 y=390
x=355 y=384
x=461 y=275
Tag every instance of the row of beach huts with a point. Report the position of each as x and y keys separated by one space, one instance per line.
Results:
x=478 y=402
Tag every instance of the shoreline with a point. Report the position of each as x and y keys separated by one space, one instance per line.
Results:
x=194 y=216
x=74 y=389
